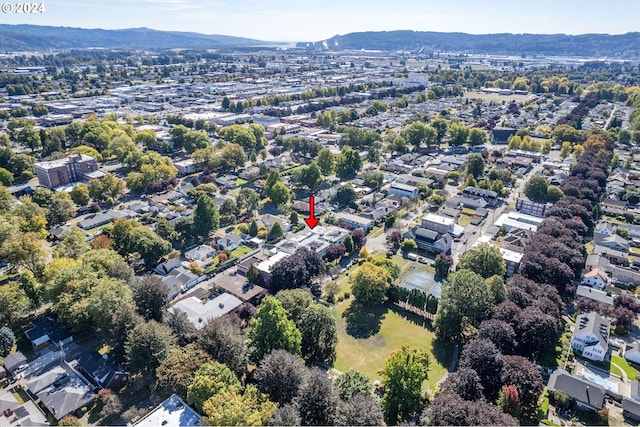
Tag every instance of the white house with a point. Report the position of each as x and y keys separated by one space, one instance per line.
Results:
x=404 y=190
x=591 y=336
x=198 y=313
x=596 y=278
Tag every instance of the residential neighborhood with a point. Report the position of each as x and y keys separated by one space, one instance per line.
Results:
x=229 y=237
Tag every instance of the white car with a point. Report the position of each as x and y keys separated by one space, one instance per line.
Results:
x=21 y=368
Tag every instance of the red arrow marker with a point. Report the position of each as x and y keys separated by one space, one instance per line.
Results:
x=312 y=221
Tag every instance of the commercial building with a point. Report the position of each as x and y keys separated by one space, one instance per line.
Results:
x=54 y=173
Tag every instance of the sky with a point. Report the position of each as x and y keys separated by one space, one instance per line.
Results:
x=314 y=20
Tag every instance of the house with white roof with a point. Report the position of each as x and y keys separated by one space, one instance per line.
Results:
x=199 y=312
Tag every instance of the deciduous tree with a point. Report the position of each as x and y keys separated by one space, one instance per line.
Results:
x=147 y=345
x=176 y=373
x=402 y=377
x=281 y=375
x=319 y=335
x=272 y=330
x=485 y=260
x=369 y=284
x=318 y=400
x=226 y=343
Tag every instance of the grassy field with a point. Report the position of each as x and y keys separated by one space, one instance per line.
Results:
x=631 y=372
x=366 y=337
x=589 y=246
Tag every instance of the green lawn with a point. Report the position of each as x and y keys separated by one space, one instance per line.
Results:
x=631 y=372
x=240 y=182
x=376 y=231
x=464 y=220
x=615 y=370
x=366 y=337
x=240 y=251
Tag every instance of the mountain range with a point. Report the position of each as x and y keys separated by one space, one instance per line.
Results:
x=35 y=37
x=585 y=45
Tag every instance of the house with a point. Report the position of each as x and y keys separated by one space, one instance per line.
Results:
x=168 y=265
x=517 y=239
x=352 y=221
x=631 y=407
x=612 y=241
x=430 y=240
x=511 y=259
x=47 y=329
x=596 y=278
x=501 y=135
x=199 y=253
x=173 y=412
x=54 y=375
x=186 y=278
x=268 y=220
x=66 y=396
x=517 y=220
x=632 y=352
x=586 y=394
x=404 y=190
x=244 y=265
x=614 y=207
x=102 y=371
x=440 y=224
x=605 y=227
x=613 y=255
x=230 y=242
x=489 y=196
x=13 y=361
x=198 y=312
x=187 y=167
x=529 y=207
x=264 y=267
x=594 y=294
x=591 y=336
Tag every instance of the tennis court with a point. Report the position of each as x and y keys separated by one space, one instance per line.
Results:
x=423 y=281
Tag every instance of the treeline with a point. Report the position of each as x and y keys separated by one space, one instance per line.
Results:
x=496 y=365
x=574 y=118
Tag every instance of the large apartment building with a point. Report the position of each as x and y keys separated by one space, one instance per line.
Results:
x=54 y=173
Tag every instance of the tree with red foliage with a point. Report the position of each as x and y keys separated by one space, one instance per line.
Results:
x=358 y=237
x=335 y=252
x=509 y=400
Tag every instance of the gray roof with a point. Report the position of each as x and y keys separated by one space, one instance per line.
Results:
x=14 y=360
x=71 y=395
x=40 y=382
x=423 y=233
x=593 y=323
x=594 y=294
x=631 y=406
x=576 y=387
x=481 y=192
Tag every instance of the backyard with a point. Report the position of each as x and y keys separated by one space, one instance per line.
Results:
x=366 y=337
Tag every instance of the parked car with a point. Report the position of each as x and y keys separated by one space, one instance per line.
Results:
x=21 y=368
